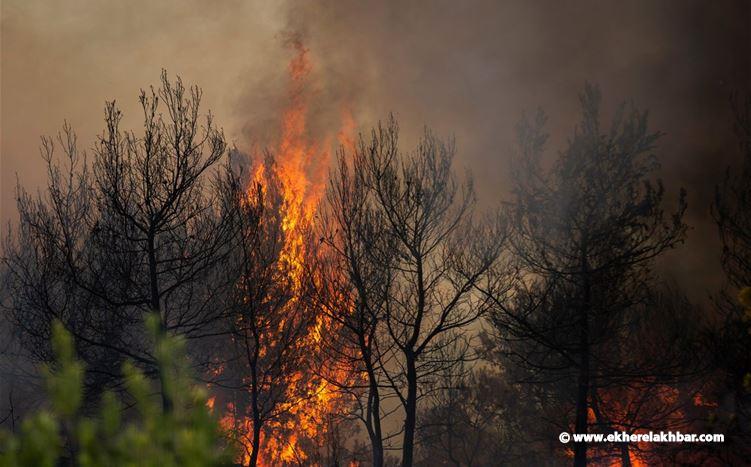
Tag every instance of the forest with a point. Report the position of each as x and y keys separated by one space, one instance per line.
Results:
x=375 y=234
x=190 y=304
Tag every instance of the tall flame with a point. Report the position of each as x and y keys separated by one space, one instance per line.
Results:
x=300 y=163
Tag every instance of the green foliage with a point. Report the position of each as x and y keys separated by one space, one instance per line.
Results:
x=147 y=435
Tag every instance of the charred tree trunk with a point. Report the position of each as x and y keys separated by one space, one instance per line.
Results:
x=374 y=429
x=410 y=416
x=625 y=456
x=157 y=308
x=254 y=390
x=256 y=442
x=601 y=421
x=376 y=439
x=374 y=408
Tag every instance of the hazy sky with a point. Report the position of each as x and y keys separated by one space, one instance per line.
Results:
x=464 y=68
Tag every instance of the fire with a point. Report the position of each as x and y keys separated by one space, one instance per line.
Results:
x=627 y=409
x=300 y=165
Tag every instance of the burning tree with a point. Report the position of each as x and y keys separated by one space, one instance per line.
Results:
x=586 y=233
x=281 y=401
x=270 y=320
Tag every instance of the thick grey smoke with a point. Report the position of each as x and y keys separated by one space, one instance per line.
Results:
x=471 y=68
x=467 y=69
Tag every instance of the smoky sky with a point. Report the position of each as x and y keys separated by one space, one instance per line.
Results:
x=465 y=69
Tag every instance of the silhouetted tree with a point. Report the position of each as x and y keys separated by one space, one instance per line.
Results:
x=731 y=343
x=432 y=254
x=357 y=277
x=649 y=377
x=134 y=232
x=586 y=233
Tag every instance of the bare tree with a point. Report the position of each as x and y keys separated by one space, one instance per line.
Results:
x=586 y=233
x=135 y=232
x=356 y=267
x=429 y=258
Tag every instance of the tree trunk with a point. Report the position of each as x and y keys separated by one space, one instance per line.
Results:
x=256 y=443
x=625 y=456
x=410 y=416
x=376 y=436
x=580 y=448
x=254 y=390
x=156 y=307
x=373 y=417
x=582 y=395
x=601 y=421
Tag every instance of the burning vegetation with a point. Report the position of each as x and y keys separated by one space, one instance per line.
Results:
x=282 y=406
x=352 y=307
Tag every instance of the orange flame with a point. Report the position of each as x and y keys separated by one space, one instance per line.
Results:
x=301 y=164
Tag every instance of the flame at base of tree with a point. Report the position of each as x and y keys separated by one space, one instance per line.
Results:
x=302 y=425
x=633 y=410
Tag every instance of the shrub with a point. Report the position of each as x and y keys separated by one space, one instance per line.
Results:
x=145 y=435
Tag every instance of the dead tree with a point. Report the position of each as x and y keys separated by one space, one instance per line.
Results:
x=432 y=253
x=135 y=232
x=356 y=266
